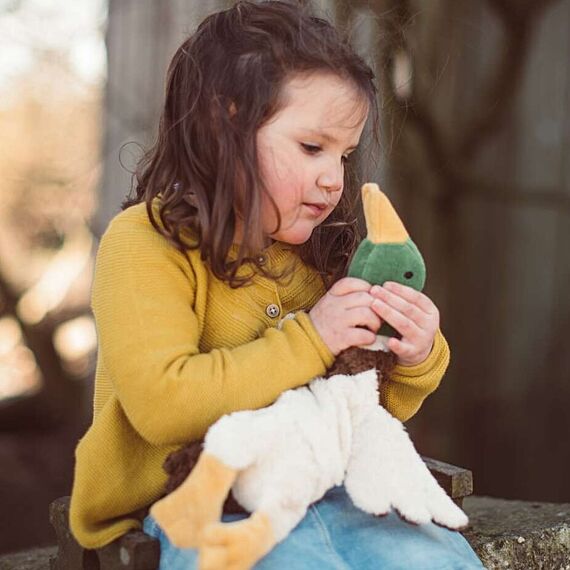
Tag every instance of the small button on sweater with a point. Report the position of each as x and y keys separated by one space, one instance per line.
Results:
x=177 y=349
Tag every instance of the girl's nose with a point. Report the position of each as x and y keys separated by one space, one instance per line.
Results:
x=331 y=178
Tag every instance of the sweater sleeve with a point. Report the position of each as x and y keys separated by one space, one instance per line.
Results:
x=408 y=386
x=143 y=299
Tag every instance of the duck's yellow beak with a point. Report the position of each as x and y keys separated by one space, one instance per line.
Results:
x=382 y=222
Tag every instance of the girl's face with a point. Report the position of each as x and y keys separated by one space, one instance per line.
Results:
x=302 y=150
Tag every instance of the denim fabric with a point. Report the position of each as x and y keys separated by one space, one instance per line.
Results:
x=335 y=535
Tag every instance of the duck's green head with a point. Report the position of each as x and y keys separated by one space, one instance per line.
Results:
x=387 y=253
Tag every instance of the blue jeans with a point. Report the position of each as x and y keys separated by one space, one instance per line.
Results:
x=336 y=535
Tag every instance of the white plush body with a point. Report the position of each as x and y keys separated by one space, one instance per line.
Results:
x=313 y=438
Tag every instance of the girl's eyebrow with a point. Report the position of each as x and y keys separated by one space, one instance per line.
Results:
x=328 y=138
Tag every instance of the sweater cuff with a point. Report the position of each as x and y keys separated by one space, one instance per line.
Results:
x=307 y=325
x=437 y=361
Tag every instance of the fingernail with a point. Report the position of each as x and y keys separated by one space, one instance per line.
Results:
x=375 y=290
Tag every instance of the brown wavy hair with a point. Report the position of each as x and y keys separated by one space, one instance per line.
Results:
x=223 y=83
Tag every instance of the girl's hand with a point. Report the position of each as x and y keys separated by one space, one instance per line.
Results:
x=342 y=312
x=413 y=315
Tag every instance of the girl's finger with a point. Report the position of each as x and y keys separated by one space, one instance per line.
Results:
x=360 y=337
x=415 y=297
x=365 y=317
x=396 y=346
x=349 y=285
x=408 y=309
x=405 y=351
x=402 y=349
x=361 y=299
x=405 y=326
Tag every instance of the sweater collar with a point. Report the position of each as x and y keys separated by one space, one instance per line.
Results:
x=274 y=254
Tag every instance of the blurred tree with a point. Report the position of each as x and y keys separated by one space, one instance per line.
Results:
x=49 y=166
x=57 y=400
x=142 y=36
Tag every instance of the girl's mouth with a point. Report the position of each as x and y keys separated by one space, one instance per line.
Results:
x=316 y=209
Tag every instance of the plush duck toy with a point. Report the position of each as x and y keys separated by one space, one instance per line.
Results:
x=279 y=460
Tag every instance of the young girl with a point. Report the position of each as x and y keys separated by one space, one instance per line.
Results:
x=243 y=214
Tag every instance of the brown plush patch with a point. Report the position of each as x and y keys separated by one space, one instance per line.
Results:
x=385 y=363
x=354 y=360
x=180 y=463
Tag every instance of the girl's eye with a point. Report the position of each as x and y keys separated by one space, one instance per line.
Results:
x=311 y=148
x=314 y=149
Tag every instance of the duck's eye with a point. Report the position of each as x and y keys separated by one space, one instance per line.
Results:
x=409 y=274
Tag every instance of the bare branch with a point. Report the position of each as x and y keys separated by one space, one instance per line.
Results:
x=501 y=87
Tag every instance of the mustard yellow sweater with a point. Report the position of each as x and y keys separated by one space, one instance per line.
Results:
x=178 y=349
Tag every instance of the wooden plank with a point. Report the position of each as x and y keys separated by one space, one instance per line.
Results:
x=457 y=481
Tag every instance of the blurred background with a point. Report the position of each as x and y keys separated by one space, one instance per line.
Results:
x=475 y=154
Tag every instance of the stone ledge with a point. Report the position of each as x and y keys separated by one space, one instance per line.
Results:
x=513 y=535
x=519 y=535
x=33 y=559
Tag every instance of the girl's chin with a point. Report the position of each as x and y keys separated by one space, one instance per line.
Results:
x=292 y=238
